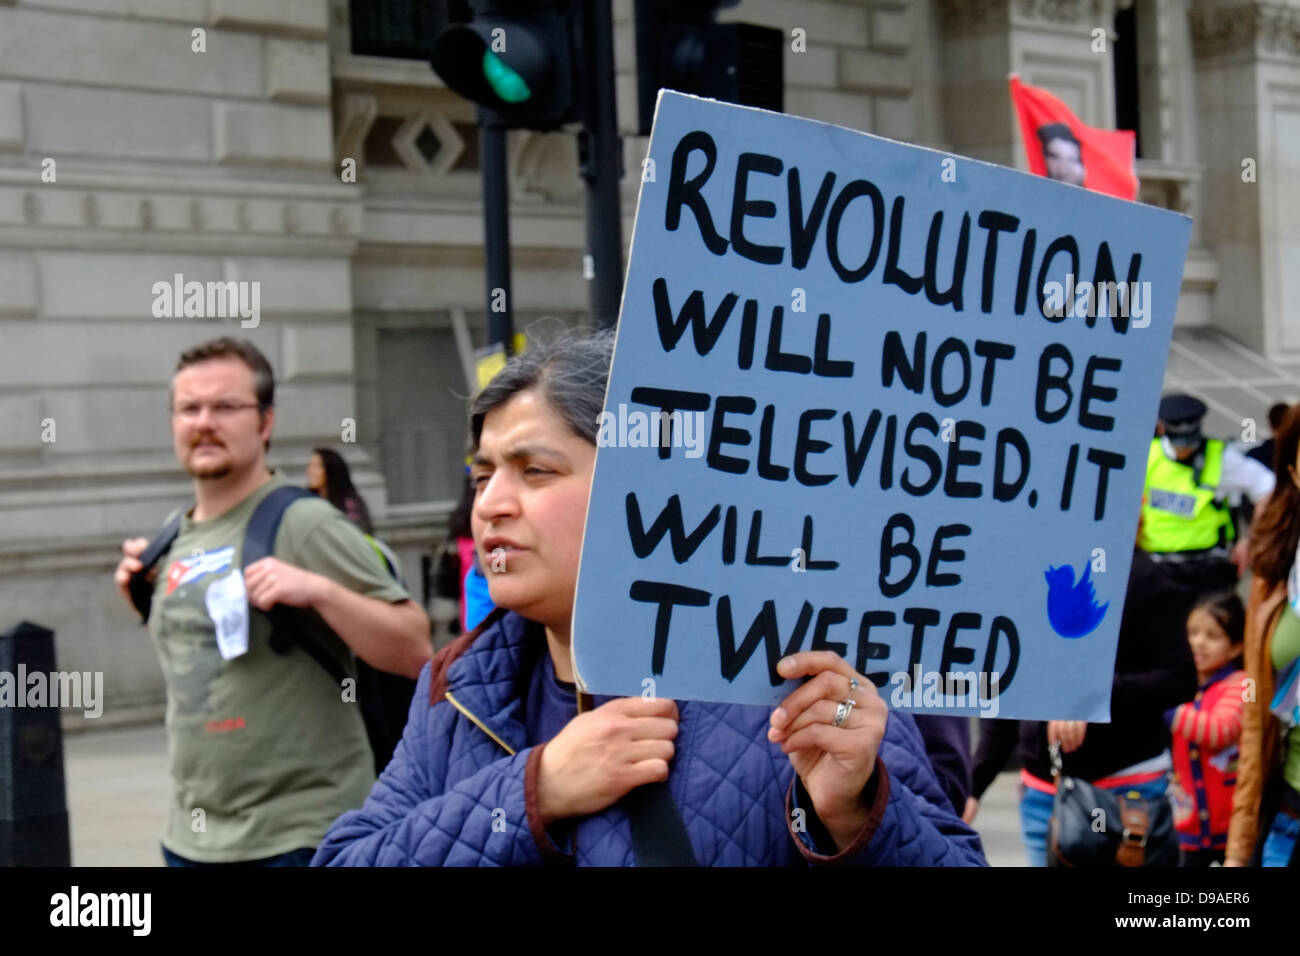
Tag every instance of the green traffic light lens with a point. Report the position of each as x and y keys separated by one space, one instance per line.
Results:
x=505 y=82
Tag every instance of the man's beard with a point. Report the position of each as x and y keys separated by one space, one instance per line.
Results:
x=212 y=472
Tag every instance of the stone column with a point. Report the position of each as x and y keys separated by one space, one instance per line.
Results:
x=1248 y=82
x=1050 y=43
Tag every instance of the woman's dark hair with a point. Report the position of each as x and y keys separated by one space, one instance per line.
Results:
x=1050 y=131
x=1226 y=609
x=341 y=492
x=1276 y=532
x=570 y=371
x=458 y=522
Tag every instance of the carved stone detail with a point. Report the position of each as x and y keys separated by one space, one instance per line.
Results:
x=1063 y=11
x=960 y=15
x=357 y=111
x=525 y=152
x=965 y=15
x=1254 y=28
x=1279 y=29
x=450 y=143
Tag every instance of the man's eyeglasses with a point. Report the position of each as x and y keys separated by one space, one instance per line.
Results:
x=190 y=411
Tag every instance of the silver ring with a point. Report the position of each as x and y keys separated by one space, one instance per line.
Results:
x=842 y=711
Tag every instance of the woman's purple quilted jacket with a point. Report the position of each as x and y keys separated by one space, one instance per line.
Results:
x=454 y=795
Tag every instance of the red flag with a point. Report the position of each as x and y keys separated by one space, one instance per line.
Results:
x=1060 y=147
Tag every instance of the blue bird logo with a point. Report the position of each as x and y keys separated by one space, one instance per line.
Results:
x=1072 y=608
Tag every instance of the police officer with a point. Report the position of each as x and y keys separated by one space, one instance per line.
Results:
x=1187 y=523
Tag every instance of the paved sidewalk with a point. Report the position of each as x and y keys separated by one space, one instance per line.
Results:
x=118 y=784
x=998 y=821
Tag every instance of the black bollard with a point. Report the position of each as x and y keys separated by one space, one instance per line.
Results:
x=33 y=800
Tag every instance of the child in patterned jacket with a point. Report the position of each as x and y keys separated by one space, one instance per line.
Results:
x=1206 y=729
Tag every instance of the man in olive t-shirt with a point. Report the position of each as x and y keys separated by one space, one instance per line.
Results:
x=266 y=749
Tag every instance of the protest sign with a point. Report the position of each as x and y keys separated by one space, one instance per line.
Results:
x=876 y=399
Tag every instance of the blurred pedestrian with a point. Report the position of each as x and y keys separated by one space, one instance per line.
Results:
x=1206 y=729
x=265 y=750
x=1263 y=452
x=947 y=743
x=510 y=765
x=458 y=575
x=328 y=476
x=1187 y=523
x=1266 y=803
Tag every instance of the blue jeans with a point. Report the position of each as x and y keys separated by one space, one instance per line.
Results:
x=1280 y=841
x=1036 y=811
x=300 y=857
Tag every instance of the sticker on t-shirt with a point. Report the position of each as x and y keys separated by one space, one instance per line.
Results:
x=198 y=565
x=227 y=602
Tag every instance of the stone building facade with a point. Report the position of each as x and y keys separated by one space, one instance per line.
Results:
x=142 y=140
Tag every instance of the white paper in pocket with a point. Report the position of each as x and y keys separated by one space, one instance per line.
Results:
x=227 y=602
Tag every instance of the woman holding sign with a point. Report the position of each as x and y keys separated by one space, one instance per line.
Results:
x=503 y=763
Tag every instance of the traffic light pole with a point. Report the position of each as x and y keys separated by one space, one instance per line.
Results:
x=496 y=231
x=601 y=154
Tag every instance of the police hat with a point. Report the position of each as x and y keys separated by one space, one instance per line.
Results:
x=1181 y=415
x=1181 y=410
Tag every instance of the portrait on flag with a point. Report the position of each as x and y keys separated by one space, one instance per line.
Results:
x=1060 y=147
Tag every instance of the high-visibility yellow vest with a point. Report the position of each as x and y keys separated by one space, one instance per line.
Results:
x=1180 y=514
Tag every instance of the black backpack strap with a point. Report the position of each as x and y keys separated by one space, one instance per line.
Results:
x=259 y=537
x=140 y=586
x=287 y=630
x=658 y=833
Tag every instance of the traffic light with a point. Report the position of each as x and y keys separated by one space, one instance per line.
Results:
x=517 y=59
x=679 y=46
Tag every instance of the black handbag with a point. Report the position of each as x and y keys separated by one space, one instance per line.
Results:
x=1091 y=826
